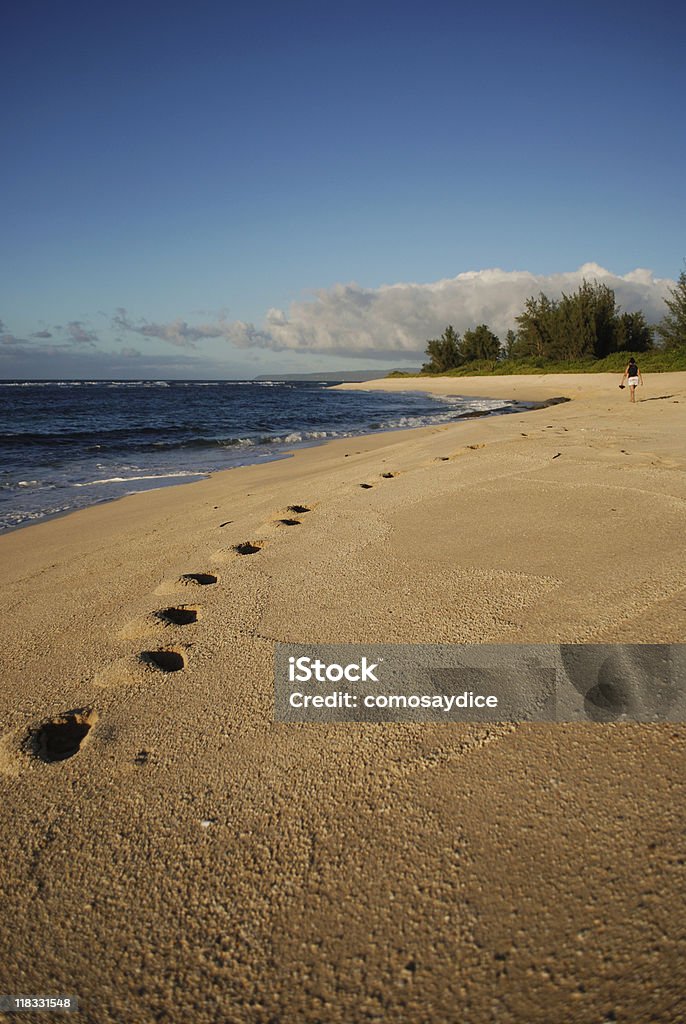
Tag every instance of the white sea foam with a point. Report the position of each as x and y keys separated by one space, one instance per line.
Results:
x=128 y=479
x=14 y=519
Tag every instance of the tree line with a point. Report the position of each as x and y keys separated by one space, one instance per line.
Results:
x=588 y=324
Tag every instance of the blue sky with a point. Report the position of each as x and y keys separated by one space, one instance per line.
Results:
x=196 y=166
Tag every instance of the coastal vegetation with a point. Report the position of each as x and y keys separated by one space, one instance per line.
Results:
x=672 y=327
x=583 y=332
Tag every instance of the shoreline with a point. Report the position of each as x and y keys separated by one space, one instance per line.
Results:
x=167 y=861
x=50 y=496
x=525 y=387
x=526 y=406
x=531 y=391
x=286 y=453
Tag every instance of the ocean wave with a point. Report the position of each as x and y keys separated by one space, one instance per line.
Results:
x=84 y=383
x=473 y=403
x=153 y=439
x=26 y=485
x=128 y=479
x=134 y=383
x=13 y=519
x=41 y=437
x=293 y=437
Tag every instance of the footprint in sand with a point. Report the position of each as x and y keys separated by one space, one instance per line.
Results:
x=366 y=487
x=247 y=548
x=389 y=476
x=59 y=738
x=127 y=670
x=299 y=510
x=200 y=579
x=288 y=522
x=167 y=660
x=184 y=615
x=176 y=615
x=189 y=579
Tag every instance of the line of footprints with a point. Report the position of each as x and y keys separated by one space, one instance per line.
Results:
x=61 y=737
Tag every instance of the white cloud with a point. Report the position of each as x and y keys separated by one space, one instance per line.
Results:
x=178 y=332
x=79 y=333
x=398 y=319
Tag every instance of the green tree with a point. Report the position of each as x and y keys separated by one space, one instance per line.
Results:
x=634 y=333
x=582 y=324
x=509 y=351
x=480 y=343
x=672 y=327
x=586 y=323
x=537 y=327
x=444 y=352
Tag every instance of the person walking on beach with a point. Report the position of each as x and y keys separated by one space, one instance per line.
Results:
x=632 y=375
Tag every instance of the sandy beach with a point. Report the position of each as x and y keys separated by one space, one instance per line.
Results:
x=196 y=862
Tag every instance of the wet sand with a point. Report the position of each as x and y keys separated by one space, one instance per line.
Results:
x=195 y=861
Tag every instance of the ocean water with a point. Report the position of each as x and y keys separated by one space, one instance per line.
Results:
x=68 y=444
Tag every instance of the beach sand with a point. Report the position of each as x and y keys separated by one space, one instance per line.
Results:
x=195 y=862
